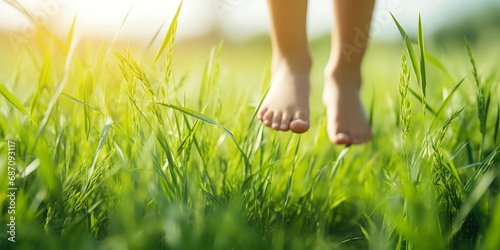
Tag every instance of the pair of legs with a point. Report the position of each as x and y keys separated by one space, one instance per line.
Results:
x=286 y=106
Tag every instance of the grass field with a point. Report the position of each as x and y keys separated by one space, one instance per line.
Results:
x=116 y=149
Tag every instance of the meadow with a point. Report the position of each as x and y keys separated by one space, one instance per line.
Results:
x=118 y=148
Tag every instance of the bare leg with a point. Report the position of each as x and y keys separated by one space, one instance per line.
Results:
x=347 y=122
x=286 y=106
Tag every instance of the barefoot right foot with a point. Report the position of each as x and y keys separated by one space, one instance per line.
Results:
x=346 y=120
x=286 y=106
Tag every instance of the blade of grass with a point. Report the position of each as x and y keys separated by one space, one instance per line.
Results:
x=422 y=57
x=434 y=61
x=419 y=98
x=70 y=36
x=459 y=150
x=290 y=179
x=451 y=167
x=42 y=79
x=30 y=168
x=472 y=62
x=187 y=141
x=166 y=184
x=267 y=79
x=497 y=125
x=482 y=169
x=207 y=119
x=409 y=47
x=16 y=5
x=470 y=166
x=102 y=140
x=372 y=108
x=13 y=100
x=491 y=240
x=55 y=96
x=123 y=131
x=154 y=37
x=339 y=159
x=443 y=106
x=170 y=36
x=471 y=201
x=76 y=100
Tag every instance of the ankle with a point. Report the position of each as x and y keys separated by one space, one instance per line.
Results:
x=343 y=76
x=296 y=63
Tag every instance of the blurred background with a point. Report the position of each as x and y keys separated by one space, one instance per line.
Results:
x=233 y=19
x=245 y=24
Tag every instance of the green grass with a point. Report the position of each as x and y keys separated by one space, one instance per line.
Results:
x=123 y=151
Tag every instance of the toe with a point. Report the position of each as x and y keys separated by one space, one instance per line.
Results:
x=276 y=120
x=299 y=126
x=342 y=138
x=261 y=113
x=285 y=122
x=268 y=118
x=300 y=123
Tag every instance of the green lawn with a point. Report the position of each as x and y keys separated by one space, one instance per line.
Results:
x=115 y=150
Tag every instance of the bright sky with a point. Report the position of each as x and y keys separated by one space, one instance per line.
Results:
x=236 y=18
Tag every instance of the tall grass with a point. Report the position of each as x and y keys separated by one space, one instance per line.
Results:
x=127 y=157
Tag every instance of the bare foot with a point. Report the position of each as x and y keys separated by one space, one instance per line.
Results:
x=286 y=106
x=346 y=119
